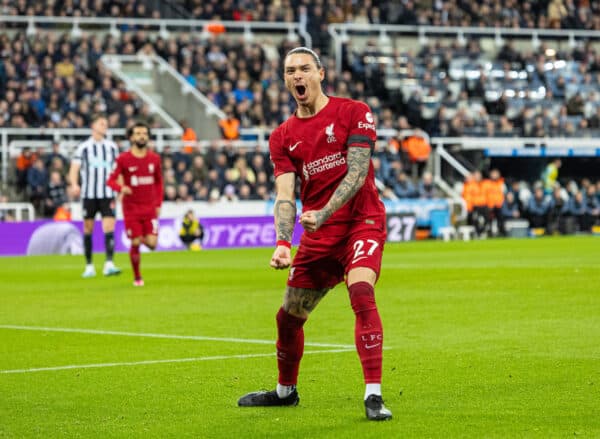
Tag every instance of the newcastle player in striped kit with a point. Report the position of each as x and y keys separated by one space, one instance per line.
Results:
x=93 y=161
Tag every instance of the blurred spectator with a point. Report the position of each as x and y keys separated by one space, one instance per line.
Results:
x=476 y=200
x=538 y=209
x=510 y=209
x=199 y=168
x=230 y=125
x=576 y=208
x=170 y=193
x=56 y=193
x=229 y=193
x=415 y=143
x=426 y=188
x=404 y=187
x=49 y=159
x=24 y=162
x=494 y=192
x=189 y=137
x=37 y=179
x=4 y=214
x=556 y=13
x=592 y=209
x=558 y=210
x=550 y=175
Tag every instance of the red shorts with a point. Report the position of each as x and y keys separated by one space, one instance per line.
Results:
x=137 y=226
x=323 y=262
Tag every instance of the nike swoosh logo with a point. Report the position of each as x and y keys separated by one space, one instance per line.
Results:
x=371 y=346
x=293 y=147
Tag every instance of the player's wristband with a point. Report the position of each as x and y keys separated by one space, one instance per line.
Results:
x=284 y=243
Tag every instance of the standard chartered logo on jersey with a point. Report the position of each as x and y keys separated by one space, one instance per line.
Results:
x=323 y=164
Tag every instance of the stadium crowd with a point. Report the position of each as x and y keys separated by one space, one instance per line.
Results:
x=449 y=89
x=557 y=14
x=52 y=80
x=548 y=206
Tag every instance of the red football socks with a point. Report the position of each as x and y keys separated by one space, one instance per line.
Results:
x=290 y=346
x=134 y=256
x=368 y=331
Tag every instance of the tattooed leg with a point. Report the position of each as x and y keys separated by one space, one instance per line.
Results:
x=301 y=301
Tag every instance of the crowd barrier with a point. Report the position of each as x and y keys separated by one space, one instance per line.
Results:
x=49 y=237
x=66 y=237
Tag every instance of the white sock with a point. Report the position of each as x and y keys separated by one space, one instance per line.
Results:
x=108 y=264
x=89 y=267
x=372 y=389
x=284 y=391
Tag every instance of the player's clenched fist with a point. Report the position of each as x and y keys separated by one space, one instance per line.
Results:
x=281 y=257
x=310 y=220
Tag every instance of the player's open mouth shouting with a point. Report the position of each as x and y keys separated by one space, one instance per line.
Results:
x=300 y=91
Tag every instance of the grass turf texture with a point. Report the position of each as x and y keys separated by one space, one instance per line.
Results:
x=496 y=338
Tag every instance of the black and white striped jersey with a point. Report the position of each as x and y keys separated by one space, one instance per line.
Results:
x=97 y=159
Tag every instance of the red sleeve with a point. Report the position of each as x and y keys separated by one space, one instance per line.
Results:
x=158 y=182
x=362 y=126
x=114 y=175
x=282 y=163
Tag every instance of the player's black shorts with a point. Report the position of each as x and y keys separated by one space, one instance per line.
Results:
x=91 y=206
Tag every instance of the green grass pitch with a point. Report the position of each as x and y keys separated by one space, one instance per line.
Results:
x=494 y=339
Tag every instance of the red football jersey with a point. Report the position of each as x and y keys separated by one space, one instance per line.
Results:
x=144 y=176
x=315 y=149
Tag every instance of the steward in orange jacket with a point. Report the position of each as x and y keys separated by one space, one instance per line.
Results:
x=230 y=126
x=63 y=213
x=417 y=148
x=473 y=191
x=188 y=137
x=494 y=189
x=475 y=198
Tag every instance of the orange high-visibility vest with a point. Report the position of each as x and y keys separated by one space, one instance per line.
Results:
x=62 y=214
x=230 y=128
x=189 y=138
x=473 y=194
x=417 y=148
x=494 y=190
x=215 y=28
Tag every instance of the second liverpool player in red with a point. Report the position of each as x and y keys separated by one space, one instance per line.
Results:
x=141 y=191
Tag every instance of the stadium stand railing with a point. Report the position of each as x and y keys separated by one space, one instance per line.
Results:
x=113 y=25
x=12 y=140
x=19 y=211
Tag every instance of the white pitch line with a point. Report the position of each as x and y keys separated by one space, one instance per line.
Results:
x=171 y=336
x=177 y=360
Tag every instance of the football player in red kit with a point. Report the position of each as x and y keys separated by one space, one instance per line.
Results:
x=327 y=143
x=141 y=193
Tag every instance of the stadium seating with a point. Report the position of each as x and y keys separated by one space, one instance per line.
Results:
x=445 y=87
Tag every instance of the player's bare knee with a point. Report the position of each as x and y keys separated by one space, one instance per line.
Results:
x=150 y=242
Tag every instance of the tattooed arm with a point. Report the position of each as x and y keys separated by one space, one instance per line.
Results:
x=358 y=168
x=285 y=217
